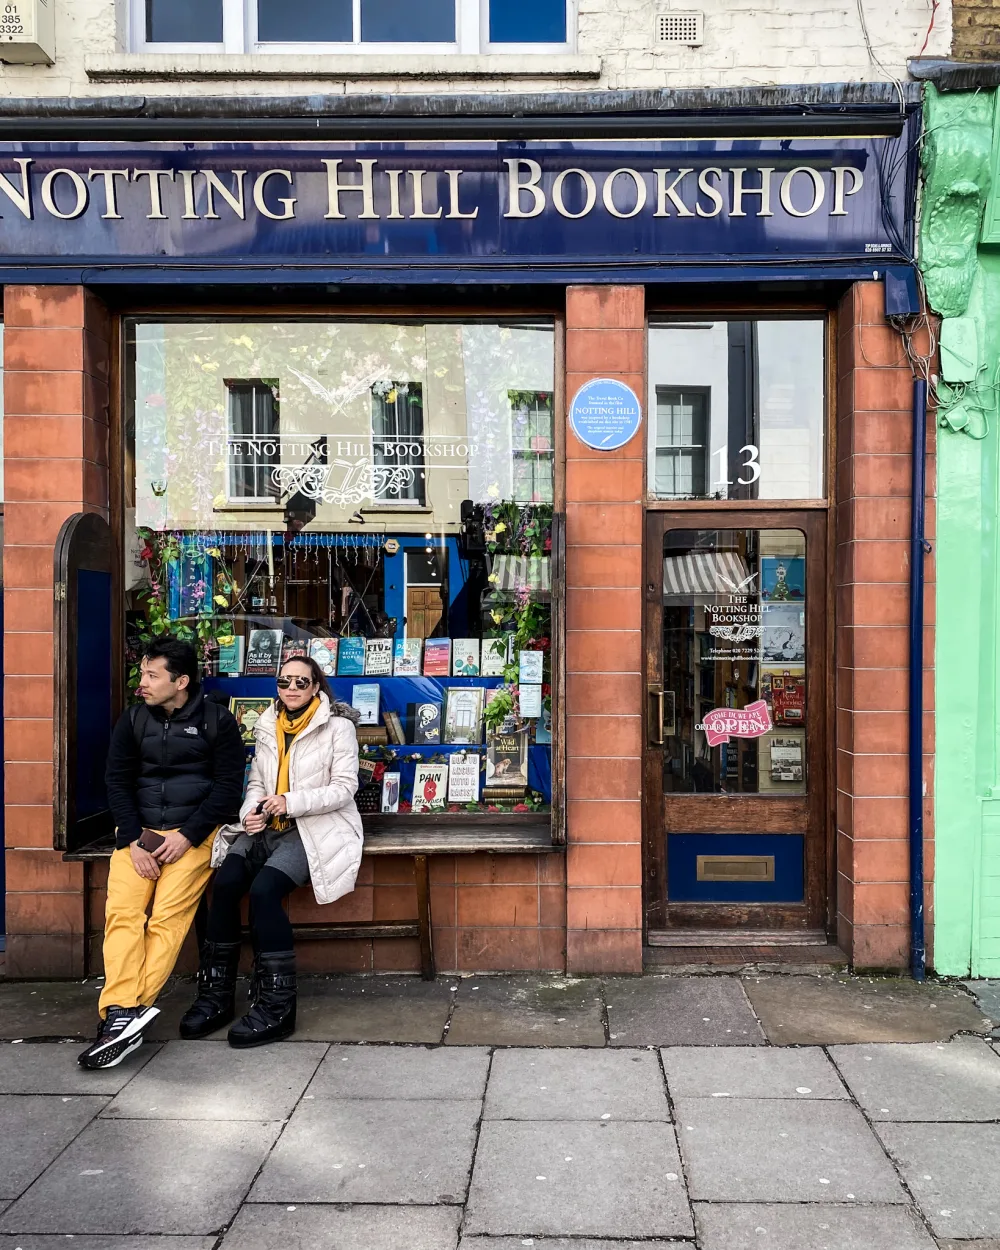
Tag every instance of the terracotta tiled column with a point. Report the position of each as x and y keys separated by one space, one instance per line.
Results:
x=874 y=446
x=605 y=337
x=56 y=358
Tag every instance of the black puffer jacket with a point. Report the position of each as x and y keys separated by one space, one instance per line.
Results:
x=164 y=772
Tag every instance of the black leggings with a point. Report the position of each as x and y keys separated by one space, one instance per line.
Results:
x=269 y=925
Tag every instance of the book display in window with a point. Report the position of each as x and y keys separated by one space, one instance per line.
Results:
x=365 y=699
x=506 y=766
x=232 y=650
x=425 y=719
x=263 y=652
x=378 y=657
x=437 y=657
x=351 y=657
x=496 y=655
x=465 y=657
x=324 y=652
x=248 y=712
x=407 y=653
x=390 y=792
x=463 y=720
x=430 y=786
x=463 y=778
x=293 y=649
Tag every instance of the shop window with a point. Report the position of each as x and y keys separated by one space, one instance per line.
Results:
x=740 y=409
x=252 y=532
x=253 y=451
x=398 y=442
x=441 y=26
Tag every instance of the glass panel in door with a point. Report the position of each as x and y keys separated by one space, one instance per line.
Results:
x=734 y=652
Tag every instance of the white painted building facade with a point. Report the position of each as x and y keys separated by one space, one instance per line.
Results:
x=611 y=45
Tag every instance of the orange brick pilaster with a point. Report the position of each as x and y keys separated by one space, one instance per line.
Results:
x=874 y=450
x=56 y=373
x=605 y=337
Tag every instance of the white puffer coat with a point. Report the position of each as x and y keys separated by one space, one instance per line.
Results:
x=322 y=779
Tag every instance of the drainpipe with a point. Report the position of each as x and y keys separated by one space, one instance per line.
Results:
x=918 y=548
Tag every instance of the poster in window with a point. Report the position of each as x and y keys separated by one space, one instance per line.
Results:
x=783 y=633
x=783 y=579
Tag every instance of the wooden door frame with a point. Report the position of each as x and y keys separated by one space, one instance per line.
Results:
x=813 y=913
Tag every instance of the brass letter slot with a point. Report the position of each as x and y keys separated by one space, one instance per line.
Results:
x=735 y=868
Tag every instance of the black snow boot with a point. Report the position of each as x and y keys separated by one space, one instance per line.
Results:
x=272 y=1001
x=215 y=1005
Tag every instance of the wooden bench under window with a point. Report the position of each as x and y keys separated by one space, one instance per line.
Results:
x=418 y=837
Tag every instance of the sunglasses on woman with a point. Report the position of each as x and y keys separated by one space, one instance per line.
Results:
x=300 y=683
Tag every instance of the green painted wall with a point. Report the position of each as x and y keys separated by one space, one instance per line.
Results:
x=963 y=280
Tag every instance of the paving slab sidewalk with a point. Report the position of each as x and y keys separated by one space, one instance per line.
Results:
x=825 y=1011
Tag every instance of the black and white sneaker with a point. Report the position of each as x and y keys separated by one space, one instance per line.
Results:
x=120 y=1034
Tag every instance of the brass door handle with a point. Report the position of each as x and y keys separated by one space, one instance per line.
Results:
x=657 y=735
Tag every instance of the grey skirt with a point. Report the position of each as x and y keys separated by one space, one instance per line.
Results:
x=271 y=849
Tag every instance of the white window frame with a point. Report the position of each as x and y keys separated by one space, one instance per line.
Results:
x=239 y=29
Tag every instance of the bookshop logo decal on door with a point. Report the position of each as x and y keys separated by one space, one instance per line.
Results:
x=605 y=414
x=723 y=723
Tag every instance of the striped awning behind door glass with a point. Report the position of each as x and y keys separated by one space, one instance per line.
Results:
x=702 y=573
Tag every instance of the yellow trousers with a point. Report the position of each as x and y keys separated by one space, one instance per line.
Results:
x=140 y=953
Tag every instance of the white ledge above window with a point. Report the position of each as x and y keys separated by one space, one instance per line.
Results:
x=165 y=66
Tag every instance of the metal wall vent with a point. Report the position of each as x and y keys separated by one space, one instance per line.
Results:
x=686 y=28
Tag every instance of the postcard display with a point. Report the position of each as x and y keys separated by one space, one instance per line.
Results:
x=377 y=497
x=734 y=662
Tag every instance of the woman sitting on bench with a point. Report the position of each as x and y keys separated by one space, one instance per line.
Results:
x=299 y=824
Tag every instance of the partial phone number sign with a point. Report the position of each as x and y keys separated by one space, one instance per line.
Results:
x=605 y=414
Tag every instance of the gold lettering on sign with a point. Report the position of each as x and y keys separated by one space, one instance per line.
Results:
x=668 y=191
x=557 y=192
x=111 y=212
x=819 y=191
x=764 y=191
x=214 y=183
x=190 y=212
x=156 y=212
x=394 y=176
x=453 y=209
x=840 y=189
x=417 y=178
x=515 y=186
x=287 y=202
x=609 y=192
x=713 y=193
x=20 y=199
x=79 y=186
x=336 y=188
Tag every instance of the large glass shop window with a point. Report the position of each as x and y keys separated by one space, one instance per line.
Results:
x=378 y=496
x=737 y=409
x=734 y=652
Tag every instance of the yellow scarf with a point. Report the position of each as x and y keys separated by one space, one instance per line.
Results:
x=286 y=730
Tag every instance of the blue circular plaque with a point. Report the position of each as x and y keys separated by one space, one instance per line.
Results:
x=605 y=414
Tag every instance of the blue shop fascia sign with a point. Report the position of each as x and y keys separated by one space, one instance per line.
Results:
x=403 y=211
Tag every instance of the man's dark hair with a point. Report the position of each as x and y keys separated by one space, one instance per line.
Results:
x=181 y=657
